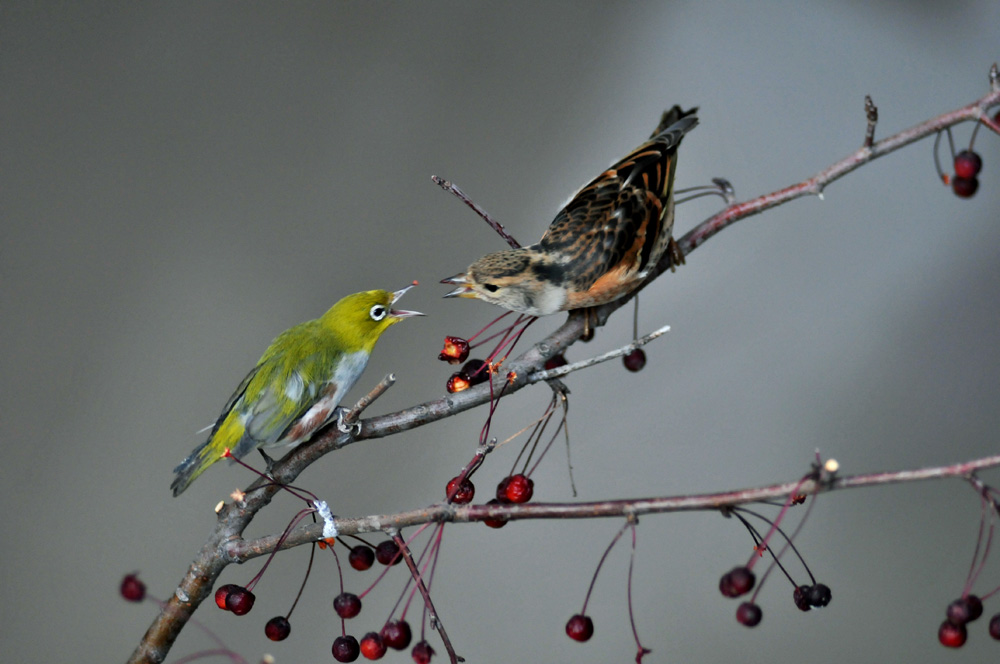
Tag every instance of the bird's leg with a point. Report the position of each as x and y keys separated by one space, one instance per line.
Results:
x=676 y=255
x=343 y=426
x=588 y=329
x=268 y=463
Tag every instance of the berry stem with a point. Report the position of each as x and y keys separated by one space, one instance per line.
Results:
x=631 y=614
x=597 y=571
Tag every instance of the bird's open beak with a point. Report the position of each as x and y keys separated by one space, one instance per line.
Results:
x=463 y=289
x=400 y=313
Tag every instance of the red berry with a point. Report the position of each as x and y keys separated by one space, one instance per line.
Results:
x=580 y=628
x=498 y=522
x=635 y=360
x=456 y=349
x=372 y=646
x=132 y=588
x=964 y=187
x=737 y=581
x=347 y=605
x=519 y=489
x=239 y=600
x=502 y=490
x=386 y=553
x=995 y=627
x=461 y=493
x=556 y=361
x=422 y=652
x=361 y=557
x=220 y=595
x=396 y=634
x=968 y=164
x=277 y=628
x=345 y=648
x=952 y=636
x=801 y=598
x=476 y=371
x=749 y=614
x=458 y=382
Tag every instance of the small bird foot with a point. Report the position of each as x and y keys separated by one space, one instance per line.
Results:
x=588 y=328
x=268 y=463
x=343 y=426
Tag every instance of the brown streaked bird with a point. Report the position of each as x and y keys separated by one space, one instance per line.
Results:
x=601 y=246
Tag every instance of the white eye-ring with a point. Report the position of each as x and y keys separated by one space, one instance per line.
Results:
x=378 y=312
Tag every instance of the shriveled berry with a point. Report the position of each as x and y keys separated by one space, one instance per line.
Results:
x=361 y=557
x=477 y=371
x=964 y=187
x=347 y=605
x=498 y=522
x=502 y=490
x=461 y=494
x=556 y=361
x=520 y=488
x=801 y=597
x=277 y=628
x=220 y=595
x=422 y=653
x=968 y=164
x=372 y=646
x=397 y=634
x=239 y=600
x=456 y=349
x=580 y=628
x=346 y=648
x=819 y=595
x=635 y=360
x=995 y=627
x=386 y=553
x=952 y=636
x=132 y=588
x=737 y=581
x=458 y=382
x=749 y=614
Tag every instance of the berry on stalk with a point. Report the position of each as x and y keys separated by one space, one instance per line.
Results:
x=461 y=494
x=456 y=350
x=635 y=360
x=737 y=581
x=347 y=605
x=964 y=187
x=580 y=628
x=220 y=595
x=749 y=614
x=995 y=627
x=819 y=595
x=476 y=370
x=968 y=164
x=277 y=628
x=387 y=553
x=239 y=600
x=458 y=382
x=397 y=634
x=345 y=648
x=952 y=636
x=132 y=588
x=422 y=652
x=517 y=488
x=372 y=646
x=361 y=557
x=498 y=522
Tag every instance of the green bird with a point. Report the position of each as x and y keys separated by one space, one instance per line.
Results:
x=298 y=383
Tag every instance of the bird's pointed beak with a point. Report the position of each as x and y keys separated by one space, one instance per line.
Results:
x=401 y=313
x=463 y=289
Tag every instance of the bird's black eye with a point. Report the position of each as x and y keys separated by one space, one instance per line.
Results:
x=493 y=288
x=378 y=312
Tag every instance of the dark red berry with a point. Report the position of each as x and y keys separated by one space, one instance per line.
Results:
x=476 y=371
x=995 y=627
x=580 y=628
x=801 y=597
x=458 y=382
x=386 y=553
x=361 y=557
x=347 y=605
x=456 y=349
x=239 y=600
x=502 y=490
x=220 y=595
x=520 y=488
x=749 y=614
x=556 y=361
x=277 y=628
x=346 y=649
x=952 y=636
x=422 y=652
x=968 y=164
x=372 y=646
x=396 y=634
x=964 y=610
x=964 y=187
x=635 y=360
x=498 y=522
x=132 y=588
x=737 y=581
x=975 y=607
x=461 y=494
x=819 y=595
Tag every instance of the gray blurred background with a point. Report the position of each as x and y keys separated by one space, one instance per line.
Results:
x=181 y=182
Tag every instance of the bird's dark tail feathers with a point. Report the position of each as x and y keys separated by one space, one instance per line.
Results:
x=190 y=468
